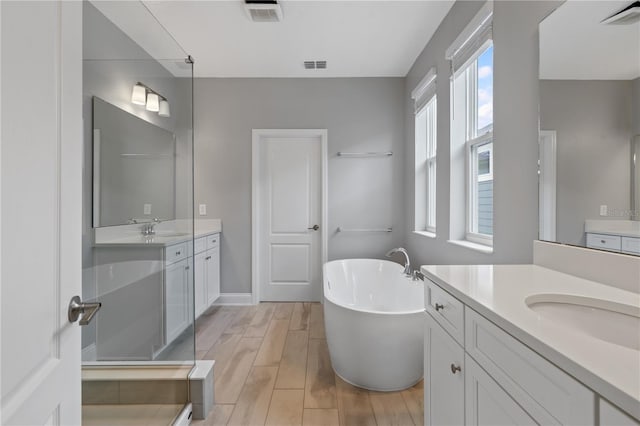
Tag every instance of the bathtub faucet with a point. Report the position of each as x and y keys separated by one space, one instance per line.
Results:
x=407 y=263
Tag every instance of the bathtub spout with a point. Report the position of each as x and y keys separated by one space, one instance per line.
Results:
x=407 y=264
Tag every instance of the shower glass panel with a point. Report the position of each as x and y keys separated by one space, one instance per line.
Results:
x=138 y=217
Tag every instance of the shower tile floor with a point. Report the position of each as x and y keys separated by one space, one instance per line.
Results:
x=273 y=368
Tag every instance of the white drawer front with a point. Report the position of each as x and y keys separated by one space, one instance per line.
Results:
x=631 y=245
x=548 y=394
x=605 y=242
x=446 y=309
x=213 y=241
x=175 y=253
x=200 y=244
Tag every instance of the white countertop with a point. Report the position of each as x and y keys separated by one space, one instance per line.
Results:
x=167 y=234
x=498 y=292
x=624 y=228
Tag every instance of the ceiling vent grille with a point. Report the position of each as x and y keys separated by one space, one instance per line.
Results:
x=627 y=16
x=263 y=10
x=315 y=65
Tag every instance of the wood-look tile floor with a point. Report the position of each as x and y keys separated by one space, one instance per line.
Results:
x=273 y=368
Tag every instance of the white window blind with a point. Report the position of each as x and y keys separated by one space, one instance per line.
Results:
x=424 y=91
x=471 y=39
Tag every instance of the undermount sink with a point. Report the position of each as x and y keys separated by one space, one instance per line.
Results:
x=612 y=322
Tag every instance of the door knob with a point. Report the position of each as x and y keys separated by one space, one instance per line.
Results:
x=314 y=228
x=88 y=310
x=455 y=368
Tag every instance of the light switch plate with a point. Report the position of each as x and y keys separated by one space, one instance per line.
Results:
x=147 y=209
x=202 y=208
x=603 y=210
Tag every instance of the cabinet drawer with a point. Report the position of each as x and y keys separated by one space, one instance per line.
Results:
x=605 y=242
x=213 y=241
x=446 y=309
x=175 y=253
x=200 y=245
x=544 y=391
x=631 y=245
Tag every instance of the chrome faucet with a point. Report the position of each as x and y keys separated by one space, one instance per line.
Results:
x=149 y=227
x=407 y=264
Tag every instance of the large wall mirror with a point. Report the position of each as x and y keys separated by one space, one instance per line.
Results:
x=133 y=168
x=590 y=125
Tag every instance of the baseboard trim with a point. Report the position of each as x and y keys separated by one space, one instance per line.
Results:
x=234 y=299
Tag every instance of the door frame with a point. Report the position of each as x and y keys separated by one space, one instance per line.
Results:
x=547 y=185
x=258 y=135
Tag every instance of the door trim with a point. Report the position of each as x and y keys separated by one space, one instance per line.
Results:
x=256 y=187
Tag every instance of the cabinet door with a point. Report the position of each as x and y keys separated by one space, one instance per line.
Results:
x=487 y=403
x=176 y=299
x=213 y=275
x=200 y=284
x=443 y=382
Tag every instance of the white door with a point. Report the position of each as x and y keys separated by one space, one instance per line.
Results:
x=41 y=178
x=487 y=403
x=443 y=377
x=289 y=216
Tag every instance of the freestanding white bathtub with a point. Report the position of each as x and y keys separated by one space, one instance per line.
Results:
x=374 y=323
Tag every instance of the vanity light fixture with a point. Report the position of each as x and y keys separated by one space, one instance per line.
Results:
x=139 y=94
x=153 y=101
x=164 y=109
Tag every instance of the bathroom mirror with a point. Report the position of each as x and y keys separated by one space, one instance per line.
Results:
x=133 y=168
x=590 y=125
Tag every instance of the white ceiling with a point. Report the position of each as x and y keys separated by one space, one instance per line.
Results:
x=356 y=38
x=574 y=45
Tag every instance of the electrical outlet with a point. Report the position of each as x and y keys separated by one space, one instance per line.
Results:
x=202 y=208
x=603 y=210
x=147 y=209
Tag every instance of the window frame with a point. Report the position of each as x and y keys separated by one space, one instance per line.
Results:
x=431 y=143
x=474 y=138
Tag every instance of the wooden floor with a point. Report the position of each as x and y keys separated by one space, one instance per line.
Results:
x=273 y=368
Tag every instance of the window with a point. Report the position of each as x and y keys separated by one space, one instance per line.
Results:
x=472 y=132
x=426 y=147
x=425 y=154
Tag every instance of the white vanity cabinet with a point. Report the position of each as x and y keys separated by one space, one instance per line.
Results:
x=477 y=374
x=616 y=243
x=177 y=296
x=207 y=272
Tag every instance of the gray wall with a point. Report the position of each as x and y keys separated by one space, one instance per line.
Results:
x=515 y=134
x=593 y=124
x=361 y=114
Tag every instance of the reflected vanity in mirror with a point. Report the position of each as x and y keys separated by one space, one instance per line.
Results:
x=133 y=168
x=590 y=126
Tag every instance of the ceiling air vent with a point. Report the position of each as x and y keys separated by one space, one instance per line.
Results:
x=626 y=16
x=315 y=65
x=263 y=10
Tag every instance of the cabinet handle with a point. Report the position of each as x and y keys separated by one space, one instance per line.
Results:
x=207 y=258
x=178 y=253
x=213 y=241
x=186 y=268
x=602 y=241
x=455 y=368
x=439 y=306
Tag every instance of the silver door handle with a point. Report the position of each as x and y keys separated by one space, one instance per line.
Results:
x=88 y=310
x=314 y=228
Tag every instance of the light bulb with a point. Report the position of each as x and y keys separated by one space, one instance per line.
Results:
x=153 y=102
x=139 y=95
x=164 y=108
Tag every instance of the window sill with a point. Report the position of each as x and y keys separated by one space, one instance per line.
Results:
x=425 y=234
x=473 y=246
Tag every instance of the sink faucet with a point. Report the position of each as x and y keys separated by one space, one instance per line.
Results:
x=407 y=263
x=148 y=228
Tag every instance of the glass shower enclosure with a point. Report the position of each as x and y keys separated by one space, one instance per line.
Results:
x=138 y=222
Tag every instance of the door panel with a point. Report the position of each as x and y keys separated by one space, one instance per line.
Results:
x=41 y=75
x=290 y=195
